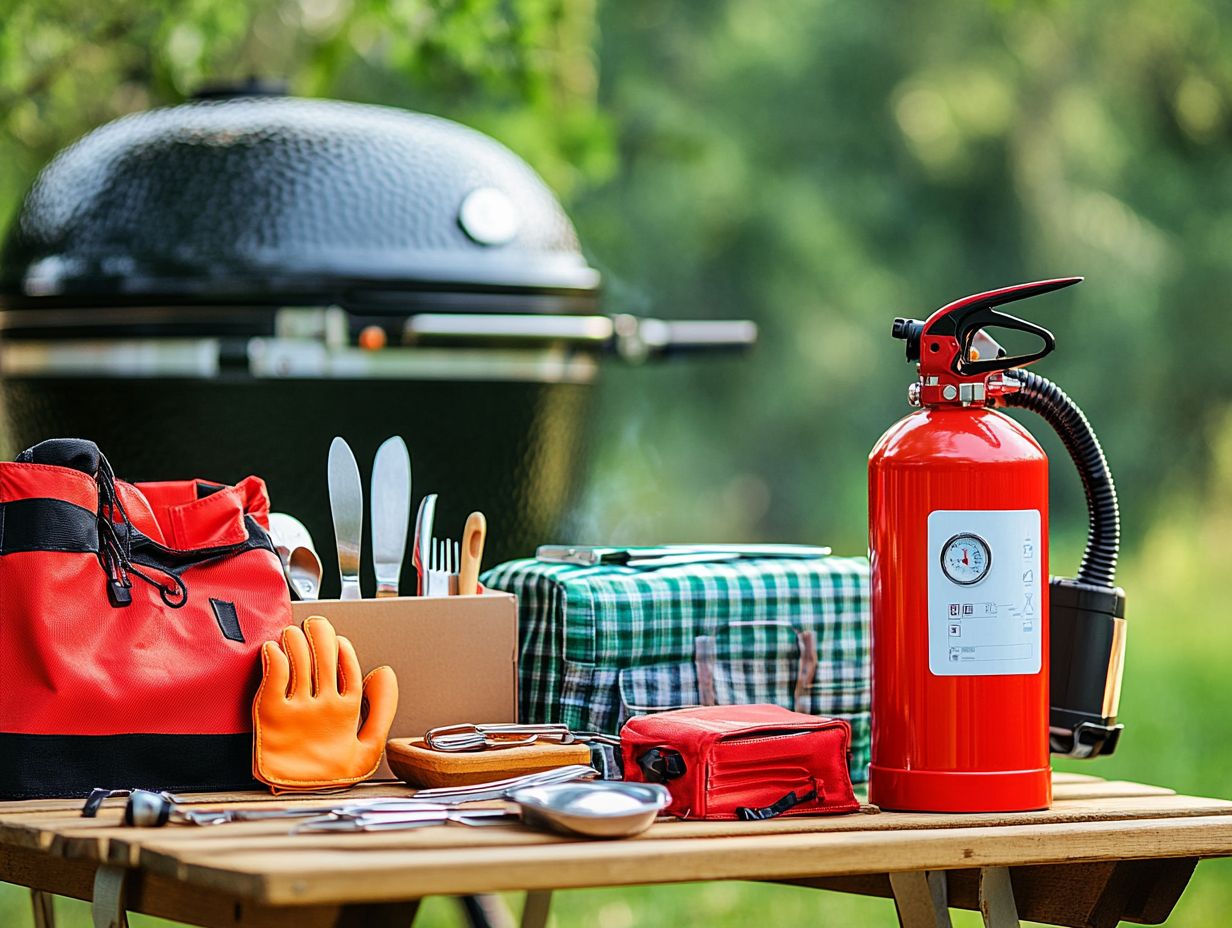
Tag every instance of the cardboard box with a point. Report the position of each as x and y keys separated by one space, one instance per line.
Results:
x=456 y=657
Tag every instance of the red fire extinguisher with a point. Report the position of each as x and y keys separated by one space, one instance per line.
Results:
x=967 y=625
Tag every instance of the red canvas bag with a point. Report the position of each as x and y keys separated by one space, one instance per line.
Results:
x=742 y=762
x=131 y=617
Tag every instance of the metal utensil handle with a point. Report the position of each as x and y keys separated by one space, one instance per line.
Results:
x=472 y=817
x=596 y=737
x=467 y=737
x=583 y=556
x=662 y=338
x=563 y=734
x=225 y=816
x=497 y=789
x=406 y=820
x=632 y=337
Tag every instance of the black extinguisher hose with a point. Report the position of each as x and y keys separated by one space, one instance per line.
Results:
x=1045 y=398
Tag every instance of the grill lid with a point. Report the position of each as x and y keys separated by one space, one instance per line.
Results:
x=279 y=200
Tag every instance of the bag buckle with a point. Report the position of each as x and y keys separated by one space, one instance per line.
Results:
x=659 y=765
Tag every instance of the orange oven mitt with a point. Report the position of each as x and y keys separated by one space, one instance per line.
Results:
x=307 y=731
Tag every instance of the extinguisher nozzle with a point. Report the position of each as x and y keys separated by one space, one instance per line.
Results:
x=909 y=330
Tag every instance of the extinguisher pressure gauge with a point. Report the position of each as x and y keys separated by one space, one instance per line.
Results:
x=965 y=559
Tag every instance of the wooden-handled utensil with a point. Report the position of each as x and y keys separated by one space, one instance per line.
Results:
x=473 y=537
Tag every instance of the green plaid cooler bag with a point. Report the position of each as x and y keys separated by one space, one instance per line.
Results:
x=600 y=644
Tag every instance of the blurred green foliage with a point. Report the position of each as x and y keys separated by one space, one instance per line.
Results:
x=824 y=167
x=820 y=167
x=524 y=71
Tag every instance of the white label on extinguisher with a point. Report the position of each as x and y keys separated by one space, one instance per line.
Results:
x=984 y=586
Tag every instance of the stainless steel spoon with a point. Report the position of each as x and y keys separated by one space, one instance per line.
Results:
x=304 y=570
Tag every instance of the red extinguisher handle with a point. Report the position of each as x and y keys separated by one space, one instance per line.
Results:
x=943 y=343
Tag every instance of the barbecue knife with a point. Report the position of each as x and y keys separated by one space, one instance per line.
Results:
x=346 y=504
x=391 y=513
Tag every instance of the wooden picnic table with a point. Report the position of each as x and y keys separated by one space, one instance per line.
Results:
x=1104 y=852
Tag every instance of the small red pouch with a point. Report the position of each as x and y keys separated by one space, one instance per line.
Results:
x=742 y=762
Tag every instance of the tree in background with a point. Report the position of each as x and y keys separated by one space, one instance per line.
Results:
x=823 y=167
x=523 y=71
x=820 y=167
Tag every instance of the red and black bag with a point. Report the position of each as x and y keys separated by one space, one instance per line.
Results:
x=742 y=762
x=131 y=616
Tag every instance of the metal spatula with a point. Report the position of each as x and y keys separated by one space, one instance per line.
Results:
x=346 y=504
x=391 y=513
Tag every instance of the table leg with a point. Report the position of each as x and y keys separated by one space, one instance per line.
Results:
x=108 y=909
x=535 y=912
x=920 y=898
x=997 y=898
x=486 y=911
x=378 y=915
x=44 y=909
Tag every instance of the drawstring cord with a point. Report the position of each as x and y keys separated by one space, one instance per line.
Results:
x=115 y=550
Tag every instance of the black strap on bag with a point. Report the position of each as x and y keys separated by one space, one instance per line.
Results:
x=778 y=808
x=115 y=535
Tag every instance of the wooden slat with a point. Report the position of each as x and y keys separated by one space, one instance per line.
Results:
x=37 y=822
x=105 y=839
x=158 y=895
x=21 y=818
x=1105 y=789
x=321 y=875
x=369 y=790
x=1062 y=776
x=72 y=807
x=251 y=860
x=124 y=845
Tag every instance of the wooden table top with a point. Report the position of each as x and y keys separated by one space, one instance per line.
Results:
x=1091 y=820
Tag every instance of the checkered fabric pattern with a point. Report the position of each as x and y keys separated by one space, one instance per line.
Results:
x=599 y=644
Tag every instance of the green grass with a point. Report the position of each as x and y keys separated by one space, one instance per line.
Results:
x=1179 y=734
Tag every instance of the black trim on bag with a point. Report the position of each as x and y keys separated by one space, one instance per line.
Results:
x=49 y=766
x=149 y=553
x=55 y=525
x=47 y=525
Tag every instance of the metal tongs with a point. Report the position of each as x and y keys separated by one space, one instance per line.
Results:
x=460 y=738
x=150 y=809
x=413 y=815
x=440 y=806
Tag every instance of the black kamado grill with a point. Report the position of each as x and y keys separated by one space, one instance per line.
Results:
x=219 y=288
